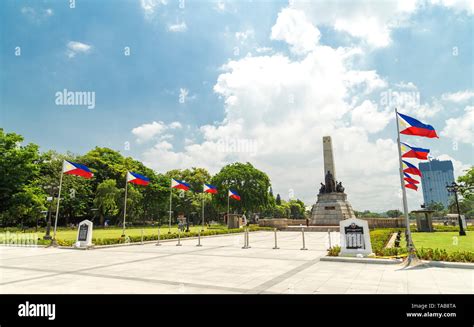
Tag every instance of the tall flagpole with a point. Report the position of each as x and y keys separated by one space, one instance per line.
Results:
x=169 y=223
x=125 y=205
x=203 y=210
x=228 y=204
x=53 y=241
x=411 y=254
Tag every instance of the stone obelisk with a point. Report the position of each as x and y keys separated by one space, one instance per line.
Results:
x=328 y=157
x=332 y=205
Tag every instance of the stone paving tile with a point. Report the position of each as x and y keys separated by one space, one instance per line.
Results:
x=219 y=266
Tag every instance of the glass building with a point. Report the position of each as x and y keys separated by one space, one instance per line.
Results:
x=436 y=174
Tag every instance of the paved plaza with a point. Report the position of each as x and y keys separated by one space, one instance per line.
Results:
x=219 y=266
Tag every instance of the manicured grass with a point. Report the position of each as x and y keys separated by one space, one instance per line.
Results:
x=69 y=235
x=449 y=241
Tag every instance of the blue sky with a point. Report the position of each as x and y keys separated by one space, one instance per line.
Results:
x=428 y=51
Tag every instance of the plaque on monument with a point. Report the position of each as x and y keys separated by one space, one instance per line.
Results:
x=355 y=237
x=84 y=234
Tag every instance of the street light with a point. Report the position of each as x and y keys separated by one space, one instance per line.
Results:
x=52 y=189
x=455 y=188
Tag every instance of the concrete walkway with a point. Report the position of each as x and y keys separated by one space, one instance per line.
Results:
x=219 y=266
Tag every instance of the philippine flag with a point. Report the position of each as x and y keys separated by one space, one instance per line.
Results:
x=412 y=152
x=72 y=168
x=414 y=127
x=208 y=188
x=412 y=186
x=410 y=169
x=234 y=195
x=180 y=184
x=410 y=179
x=137 y=179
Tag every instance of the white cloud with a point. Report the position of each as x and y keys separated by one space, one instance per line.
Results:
x=458 y=97
x=74 y=47
x=461 y=129
x=369 y=118
x=37 y=15
x=149 y=7
x=147 y=132
x=294 y=28
x=244 y=35
x=178 y=27
x=370 y=21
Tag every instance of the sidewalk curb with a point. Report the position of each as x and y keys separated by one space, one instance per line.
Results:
x=438 y=264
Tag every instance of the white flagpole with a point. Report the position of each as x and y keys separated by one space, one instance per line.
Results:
x=125 y=204
x=169 y=223
x=411 y=254
x=203 y=194
x=228 y=205
x=53 y=242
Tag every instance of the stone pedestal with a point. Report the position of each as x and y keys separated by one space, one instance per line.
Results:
x=330 y=209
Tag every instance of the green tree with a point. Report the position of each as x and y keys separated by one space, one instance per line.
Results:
x=18 y=171
x=394 y=213
x=106 y=199
x=26 y=205
x=278 y=200
x=250 y=183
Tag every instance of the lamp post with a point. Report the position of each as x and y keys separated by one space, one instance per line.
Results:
x=52 y=189
x=455 y=188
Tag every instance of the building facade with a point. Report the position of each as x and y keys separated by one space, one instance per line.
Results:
x=436 y=175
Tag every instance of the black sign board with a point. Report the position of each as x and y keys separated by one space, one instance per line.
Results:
x=83 y=230
x=354 y=237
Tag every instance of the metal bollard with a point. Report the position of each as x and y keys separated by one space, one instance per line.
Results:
x=276 y=244
x=302 y=234
x=248 y=243
x=199 y=239
x=179 y=238
x=329 y=237
x=142 y=236
x=245 y=240
x=158 y=241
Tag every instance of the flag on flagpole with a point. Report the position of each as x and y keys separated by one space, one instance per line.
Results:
x=137 y=179
x=411 y=186
x=72 y=168
x=233 y=194
x=414 y=127
x=181 y=185
x=412 y=152
x=208 y=188
x=410 y=168
x=409 y=179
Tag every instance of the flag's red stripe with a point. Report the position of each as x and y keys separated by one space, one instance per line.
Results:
x=416 y=154
x=414 y=171
x=139 y=182
x=417 y=131
x=79 y=172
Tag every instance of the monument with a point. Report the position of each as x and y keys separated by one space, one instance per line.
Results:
x=332 y=205
x=355 y=237
x=84 y=234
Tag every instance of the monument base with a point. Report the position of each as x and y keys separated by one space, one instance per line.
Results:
x=330 y=209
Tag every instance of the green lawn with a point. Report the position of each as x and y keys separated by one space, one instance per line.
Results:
x=450 y=241
x=112 y=232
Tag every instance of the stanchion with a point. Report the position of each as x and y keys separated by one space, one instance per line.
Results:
x=158 y=241
x=179 y=237
x=245 y=240
x=199 y=239
x=276 y=244
x=302 y=234
x=248 y=243
x=329 y=237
